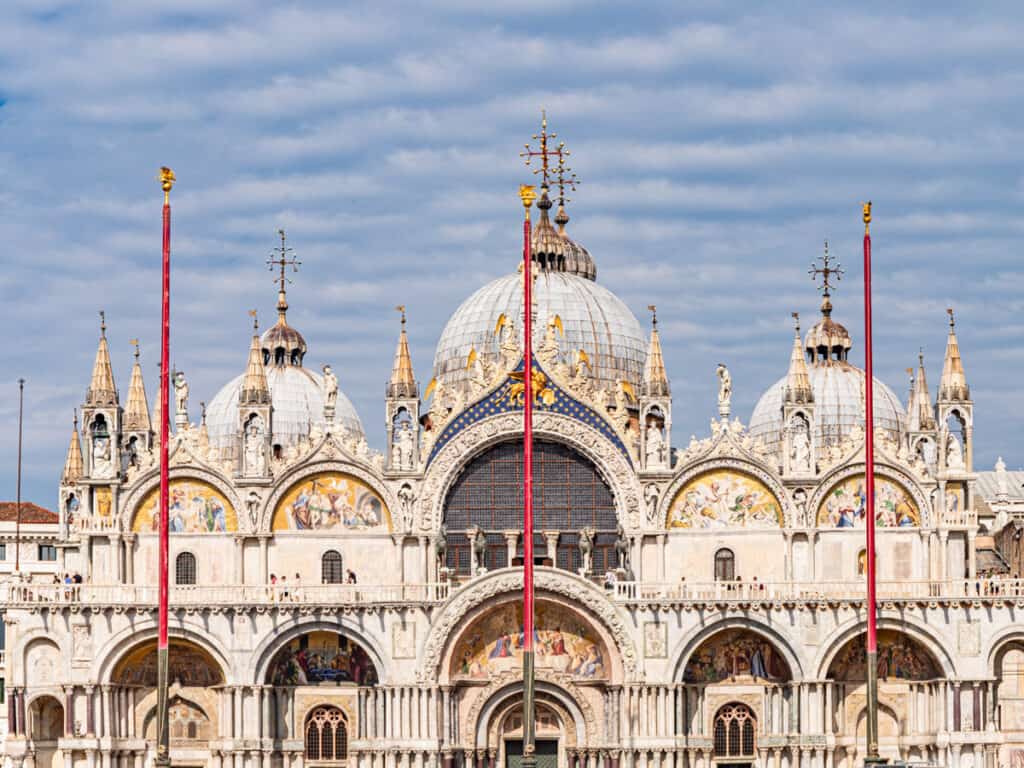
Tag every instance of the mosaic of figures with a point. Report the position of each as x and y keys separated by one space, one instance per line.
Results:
x=561 y=642
x=193 y=507
x=331 y=500
x=846 y=504
x=722 y=498
x=899 y=658
x=736 y=654
x=322 y=657
x=188 y=665
x=104 y=500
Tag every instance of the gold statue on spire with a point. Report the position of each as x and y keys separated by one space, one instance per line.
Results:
x=867 y=216
x=167 y=179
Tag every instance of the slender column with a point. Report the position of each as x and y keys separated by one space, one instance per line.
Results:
x=812 y=545
x=238 y=697
x=972 y=555
x=22 y=722
x=239 y=560
x=106 y=720
x=69 y=710
x=424 y=561
x=944 y=554
x=789 y=555
x=661 y=557
x=957 y=720
x=264 y=559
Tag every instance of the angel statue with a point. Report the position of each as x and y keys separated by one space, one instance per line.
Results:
x=724 y=390
x=329 y=391
x=180 y=398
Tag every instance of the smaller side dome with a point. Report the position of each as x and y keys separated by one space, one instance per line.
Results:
x=827 y=341
x=282 y=345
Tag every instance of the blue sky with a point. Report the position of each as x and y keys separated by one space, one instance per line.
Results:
x=719 y=145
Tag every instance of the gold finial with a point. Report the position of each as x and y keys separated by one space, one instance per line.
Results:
x=544 y=153
x=255 y=321
x=167 y=180
x=654 y=315
x=135 y=343
x=401 y=308
x=279 y=259
x=527 y=193
x=952 y=322
x=867 y=215
x=827 y=272
x=103 y=324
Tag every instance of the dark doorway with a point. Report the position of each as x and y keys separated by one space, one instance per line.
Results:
x=547 y=753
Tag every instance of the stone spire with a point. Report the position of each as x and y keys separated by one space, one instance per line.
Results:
x=136 y=418
x=403 y=382
x=921 y=414
x=953 y=385
x=655 y=378
x=798 y=382
x=254 y=386
x=73 y=463
x=101 y=389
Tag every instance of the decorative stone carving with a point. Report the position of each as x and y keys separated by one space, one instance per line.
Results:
x=403 y=640
x=724 y=390
x=651 y=502
x=586 y=545
x=654 y=445
x=406 y=500
x=405 y=448
x=800 y=444
x=254 y=448
x=329 y=391
x=655 y=640
x=180 y=399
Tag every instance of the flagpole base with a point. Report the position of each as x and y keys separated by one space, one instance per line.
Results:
x=529 y=742
x=163 y=743
x=872 y=757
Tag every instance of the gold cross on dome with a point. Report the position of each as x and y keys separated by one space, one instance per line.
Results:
x=827 y=272
x=281 y=258
x=544 y=153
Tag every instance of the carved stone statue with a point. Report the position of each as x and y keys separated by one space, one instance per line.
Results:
x=441 y=546
x=329 y=391
x=800 y=502
x=724 y=390
x=548 y=351
x=510 y=351
x=655 y=446
x=954 y=454
x=252 y=505
x=102 y=459
x=587 y=550
x=651 y=499
x=254 y=451
x=180 y=399
x=405 y=447
x=479 y=551
x=622 y=550
x=406 y=498
x=800 y=446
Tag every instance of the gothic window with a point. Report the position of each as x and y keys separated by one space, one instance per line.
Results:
x=725 y=565
x=330 y=568
x=734 y=731
x=326 y=735
x=568 y=495
x=185 y=568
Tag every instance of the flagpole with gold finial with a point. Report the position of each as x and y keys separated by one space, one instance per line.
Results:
x=163 y=746
x=527 y=194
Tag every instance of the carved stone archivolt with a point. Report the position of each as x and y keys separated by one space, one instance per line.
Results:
x=583 y=595
x=130 y=501
x=744 y=466
x=829 y=480
x=286 y=481
x=611 y=464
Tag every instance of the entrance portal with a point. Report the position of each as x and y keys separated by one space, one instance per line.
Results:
x=547 y=753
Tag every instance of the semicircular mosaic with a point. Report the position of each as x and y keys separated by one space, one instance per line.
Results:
x=331 y=501
x=194 y=506
x=845 y=505
x=722 y=498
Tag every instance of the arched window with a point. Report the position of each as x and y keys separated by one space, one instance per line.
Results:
x=330 y=568
x=185 y=568
x=725 y=565
x=734 y=731
x=326 y=735
x=569 y=495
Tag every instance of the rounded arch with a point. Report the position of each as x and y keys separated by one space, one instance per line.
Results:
x=1004 y=640
x=885 y=472
x=614 y=468
x=147 y=488
x=750 y=469
x=559 y=586
x=264 y=655
x=509 y=693
x=844 y=633
x=308 y=472
x=191 y=665
x=107 y=657
x=780 y=643
x=42 y=661
x=45 y=717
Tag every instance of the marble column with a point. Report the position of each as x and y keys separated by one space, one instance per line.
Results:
x=129 y=557
x=264 y=559
x=239 y=560
x=424 y=560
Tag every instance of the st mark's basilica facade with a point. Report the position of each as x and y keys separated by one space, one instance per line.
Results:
x=700 y=601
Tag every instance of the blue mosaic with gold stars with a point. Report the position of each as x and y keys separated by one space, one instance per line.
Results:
x=547 y=396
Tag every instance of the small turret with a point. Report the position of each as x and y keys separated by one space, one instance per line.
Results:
x=799 y=431
x=138 y=428
x=254 y=386
x=101 y=415
x=102 y=390
x=798 y=382
x=402 y=408
x=953 y=385
x=955 y=410
x=655 y=378
x=655 y=405
x=73 y=466
x=255 y=413
x=920 y=413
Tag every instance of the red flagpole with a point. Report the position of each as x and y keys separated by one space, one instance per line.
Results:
x=869 y=488
x=527 y=195
x=163 y=756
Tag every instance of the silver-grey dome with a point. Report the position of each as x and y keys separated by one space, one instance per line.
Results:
x=838 y=395
x=595 y=320
x=298 y=405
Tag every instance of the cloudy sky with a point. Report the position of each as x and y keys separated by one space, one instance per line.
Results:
x=718 y=149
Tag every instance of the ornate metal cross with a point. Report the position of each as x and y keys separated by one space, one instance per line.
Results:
x=544 y=153
x=280 y=259
x=826 y=271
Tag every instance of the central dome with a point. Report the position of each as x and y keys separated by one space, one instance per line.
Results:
x=595 y=320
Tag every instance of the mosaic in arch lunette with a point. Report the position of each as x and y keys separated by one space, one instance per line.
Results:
x=845 y=505
x=331 y=501
x=322 y=658
x=899 y=658
x=724 y=498
x=736 y=654
x=188 y=665
x=194 y=507
x=562 y=642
